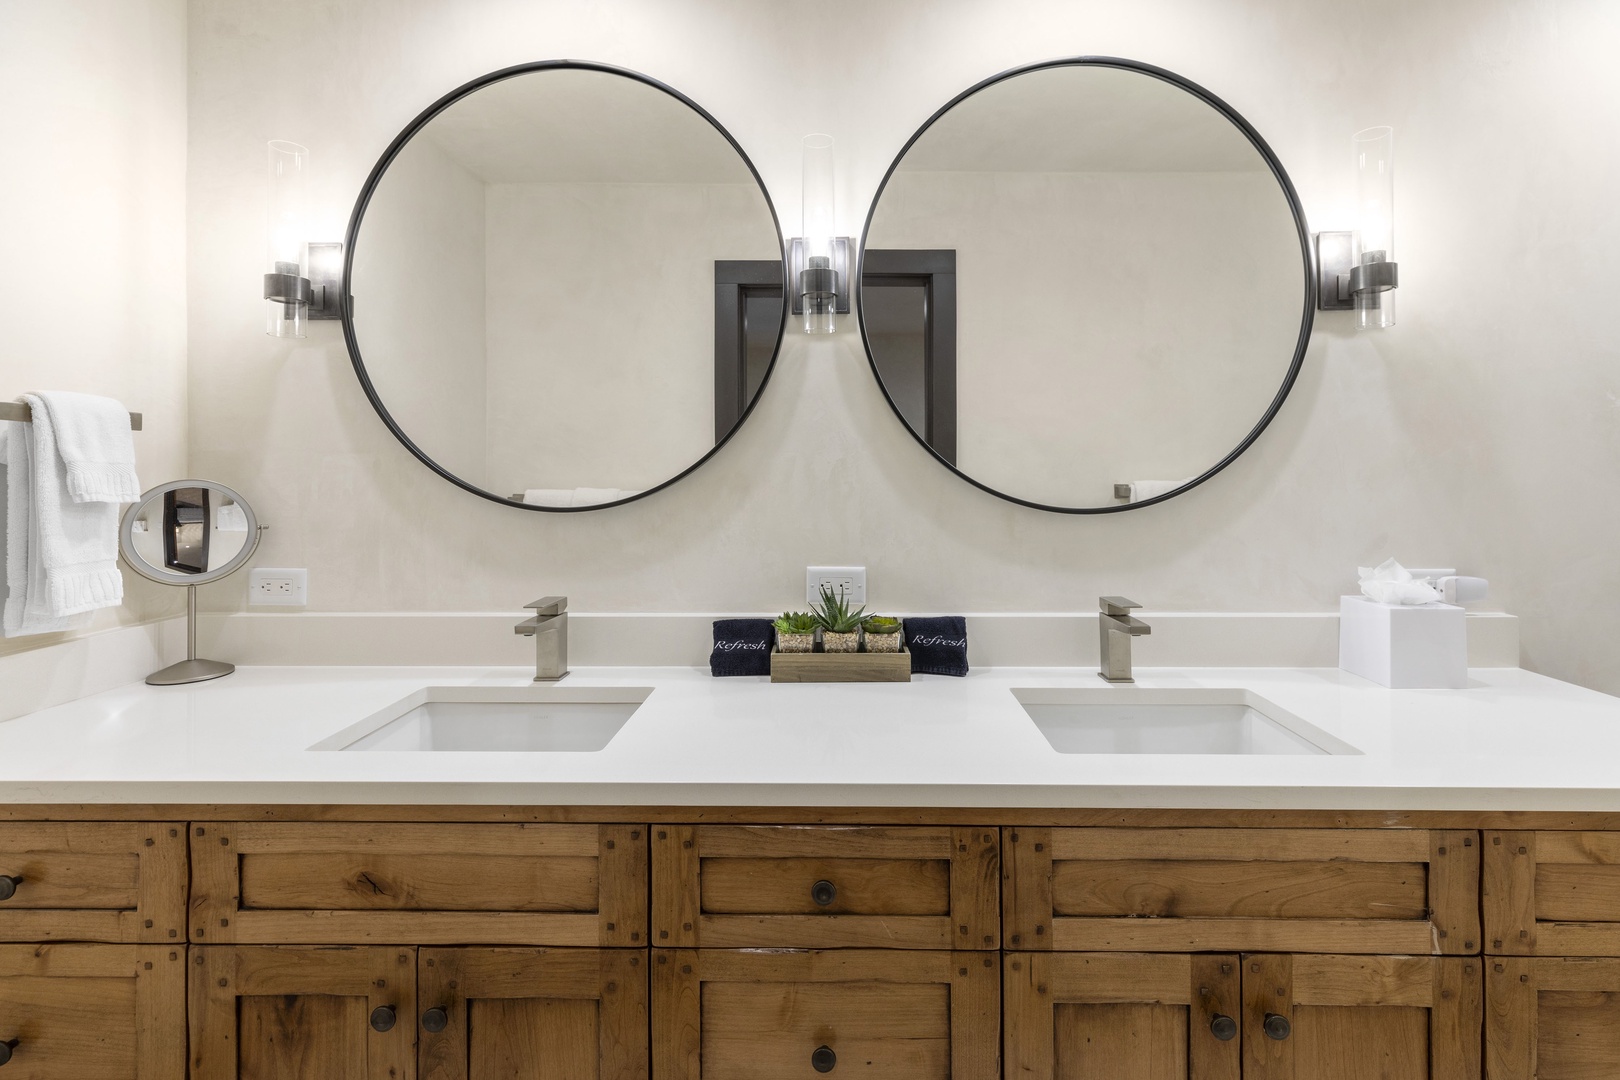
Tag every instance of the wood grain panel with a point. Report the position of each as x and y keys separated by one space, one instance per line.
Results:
x=300 y=1012
x=1253 y=935
x=1577 y=892
x=722 y=887
x=1510 y=1018
x=1243 y=845
x=1125 y=1042
x=430 y=884
x=865 y=886
x=1342 y=1043
x=357 y=882
x=721 y=1015
x=1508 y=892
x=1277 y=890
x=535 y=1014
x=102 y=881
x=1268 y=988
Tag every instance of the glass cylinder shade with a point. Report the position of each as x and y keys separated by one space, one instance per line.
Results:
x=286 y=271
x=1375 y=226
x=816 y=284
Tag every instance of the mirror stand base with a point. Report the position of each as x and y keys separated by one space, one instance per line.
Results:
x=190 y=671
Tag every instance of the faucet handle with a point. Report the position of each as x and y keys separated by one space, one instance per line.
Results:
x=1117 y=605
x=549 y=605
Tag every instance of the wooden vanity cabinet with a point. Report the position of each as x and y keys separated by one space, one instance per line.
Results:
x=112 y=1012
x=1552 y=893
x=114 y=881
x=891 y=1014
x=1154 y=1016
x=1552 y=1017
x=424 y=884
x=1236 y=890
x=824 y=887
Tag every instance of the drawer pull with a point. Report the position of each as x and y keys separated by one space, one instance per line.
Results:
x=823 y=893
x=1277 y=1027
x=823 y=1059
x=1223 y=1027
x=382 y=1018
x=435 y=1020
x=8 y=889
x=6 y=1047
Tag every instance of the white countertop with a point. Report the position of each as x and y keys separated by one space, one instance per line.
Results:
x=1512 y=740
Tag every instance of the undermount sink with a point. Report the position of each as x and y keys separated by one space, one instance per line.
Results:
x=523 y=719
x=1143 y=720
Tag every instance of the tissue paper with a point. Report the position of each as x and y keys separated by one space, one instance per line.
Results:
x=1392 y=583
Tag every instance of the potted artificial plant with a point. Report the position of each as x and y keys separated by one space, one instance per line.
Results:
x=795 y=632
x=840 y=627
x=881 y=634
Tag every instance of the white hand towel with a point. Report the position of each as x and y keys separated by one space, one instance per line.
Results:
x=93 y=439
x=1152 y=489
x=64 y=553
x=25 y=611
x=549 y=496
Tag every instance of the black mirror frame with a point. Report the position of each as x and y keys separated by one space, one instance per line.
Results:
x=1308 y=312
x=356 y=217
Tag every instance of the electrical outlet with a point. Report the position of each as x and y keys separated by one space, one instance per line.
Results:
x=277 y=587
x=850 y=580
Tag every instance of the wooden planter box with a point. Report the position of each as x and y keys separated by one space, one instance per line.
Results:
x=841 y=667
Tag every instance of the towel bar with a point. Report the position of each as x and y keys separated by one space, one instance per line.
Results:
x=16 y=410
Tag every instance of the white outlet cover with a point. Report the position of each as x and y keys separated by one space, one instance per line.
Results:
x=270 y=586
x=851 y=579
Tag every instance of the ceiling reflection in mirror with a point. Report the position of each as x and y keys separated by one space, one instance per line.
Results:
x=1084 y=286
x=566 y=287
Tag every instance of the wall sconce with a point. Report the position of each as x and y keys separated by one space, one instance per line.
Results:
x=1358 y=269
x=301 y=280
x=819 y=260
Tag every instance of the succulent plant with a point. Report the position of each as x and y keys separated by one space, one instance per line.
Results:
x=881 y=624
x=796 y=622
x=833 y=614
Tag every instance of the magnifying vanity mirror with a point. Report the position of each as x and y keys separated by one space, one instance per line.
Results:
x=1086 y=285
x=189 y=532
x=565 y=285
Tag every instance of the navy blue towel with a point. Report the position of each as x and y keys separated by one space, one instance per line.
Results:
x=938 y=645
x=741 y=647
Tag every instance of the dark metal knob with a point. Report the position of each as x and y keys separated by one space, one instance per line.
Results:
x=823 y=1059
x=823 y=893
x=1223 y=1027
x=6 y=1047
x=8 y=889
x=382 y=1018
x=435 y=1020
x=1277 y=1027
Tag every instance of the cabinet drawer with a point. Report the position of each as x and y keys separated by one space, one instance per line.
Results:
x=113 y=1012
x=1552 y=893
x=1284 y=890
x=735 y=887
x=906 y=1015
x=93 y=881
x=430 y=884
x=1551 y=1017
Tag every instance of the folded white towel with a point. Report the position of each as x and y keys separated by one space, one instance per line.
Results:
x=61 y=555
x=93 y=439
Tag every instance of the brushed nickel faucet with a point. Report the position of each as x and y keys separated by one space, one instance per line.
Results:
x=1115 y=628
x=549 y=628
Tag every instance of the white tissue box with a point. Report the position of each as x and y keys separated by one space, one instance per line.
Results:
x=1403 y=646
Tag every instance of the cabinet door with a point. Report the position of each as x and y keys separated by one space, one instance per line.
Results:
x=533 y=1014
x=1360 y=1017
x=431 y=884
x=93 y=881
x=1123 y=1016
x=303 y=1013
x=825 y=887
x=791 y=1015
x=112 y=1012
x=1553 y=1018
x=1552 y=893
x=1242 y=890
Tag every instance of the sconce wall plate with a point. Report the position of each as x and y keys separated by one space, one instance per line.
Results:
x=1339 y=277
x=326 y=280
x=842 y=262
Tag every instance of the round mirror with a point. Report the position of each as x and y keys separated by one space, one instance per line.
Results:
x=188 y=532
x=565 y=286
x=1085 y=285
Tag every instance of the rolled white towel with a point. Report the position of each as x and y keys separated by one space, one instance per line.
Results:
x=93 y=440
x=1142 y=490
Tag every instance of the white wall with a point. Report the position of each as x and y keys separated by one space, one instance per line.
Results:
x=93 y=227
x=1483 y=432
